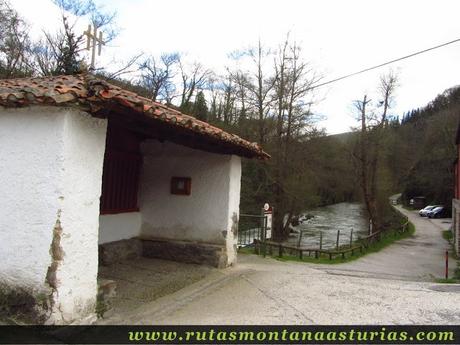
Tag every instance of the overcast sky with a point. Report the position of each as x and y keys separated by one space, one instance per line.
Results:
x=338 y=37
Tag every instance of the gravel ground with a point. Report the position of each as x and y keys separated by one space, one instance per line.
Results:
x=393 y=286
x=266 y=291
x=144 y=280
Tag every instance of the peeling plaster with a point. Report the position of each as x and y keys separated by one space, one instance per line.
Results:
x=57 y=254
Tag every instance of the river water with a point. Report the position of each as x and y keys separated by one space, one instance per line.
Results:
x=328 y=220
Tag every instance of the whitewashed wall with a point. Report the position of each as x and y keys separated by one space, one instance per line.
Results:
x=51 y=174
x=209 y=213
x=121 y=226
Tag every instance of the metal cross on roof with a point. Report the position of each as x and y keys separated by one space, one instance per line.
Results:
x=96 y=42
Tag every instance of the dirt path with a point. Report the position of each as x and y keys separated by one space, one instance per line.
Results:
x=419 y=258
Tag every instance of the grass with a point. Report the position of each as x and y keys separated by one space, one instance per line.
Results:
x=447 y=235
x=446 y=281
x=387 y=238
x=457 y=271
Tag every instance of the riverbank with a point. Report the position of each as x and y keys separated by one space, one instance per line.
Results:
x=386 y=239
x=309 y=250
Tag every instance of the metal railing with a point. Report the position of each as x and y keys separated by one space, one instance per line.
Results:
x=251 y=228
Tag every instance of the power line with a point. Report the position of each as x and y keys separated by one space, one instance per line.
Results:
x=385 y=63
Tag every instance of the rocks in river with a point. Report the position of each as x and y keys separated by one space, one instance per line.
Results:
x=305 y=217
x=293 y=231
x=295 y=221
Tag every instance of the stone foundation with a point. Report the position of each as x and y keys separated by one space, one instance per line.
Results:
x=112 y=252
x=183 y=251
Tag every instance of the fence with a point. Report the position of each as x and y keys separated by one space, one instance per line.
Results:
x=251 y=228
x=261 y=245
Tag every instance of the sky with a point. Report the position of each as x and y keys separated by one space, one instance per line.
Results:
x=337 y=37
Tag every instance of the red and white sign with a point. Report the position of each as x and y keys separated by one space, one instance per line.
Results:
x=268 y=213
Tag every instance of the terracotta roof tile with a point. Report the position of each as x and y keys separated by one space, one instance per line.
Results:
x=86 y=89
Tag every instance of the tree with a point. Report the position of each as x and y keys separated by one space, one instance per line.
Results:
x=60 y=52
x=194 y=78
x=367 y=152
x=292 y=86
x=200 y=109
x=256 y=86
x=157 y=77
x=14 y=43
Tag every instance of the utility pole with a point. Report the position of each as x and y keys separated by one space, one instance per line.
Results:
x=96 y=42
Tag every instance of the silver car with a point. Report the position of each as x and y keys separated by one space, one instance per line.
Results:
x=424 y=211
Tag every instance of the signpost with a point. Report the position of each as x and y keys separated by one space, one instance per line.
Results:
x=267 y=212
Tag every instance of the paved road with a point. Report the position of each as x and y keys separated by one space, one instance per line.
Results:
x=419 y=258
x=266 y=291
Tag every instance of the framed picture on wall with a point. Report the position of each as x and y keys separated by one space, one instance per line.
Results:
x=181 y=185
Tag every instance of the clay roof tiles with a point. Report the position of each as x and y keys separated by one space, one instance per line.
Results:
x=93 y=94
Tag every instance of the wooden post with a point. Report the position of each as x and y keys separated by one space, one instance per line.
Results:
x=338 y=238
x=280 y=251
x=300 y=239
x=320 y=240
x=447 y=264
x=351 y=238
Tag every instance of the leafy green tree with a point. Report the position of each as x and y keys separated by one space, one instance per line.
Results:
x=200 y=108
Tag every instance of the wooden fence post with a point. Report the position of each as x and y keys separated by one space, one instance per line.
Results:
x=300 y=239
x=351 y=238
x=338 y=238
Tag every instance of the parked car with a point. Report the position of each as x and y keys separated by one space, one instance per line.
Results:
x=439 y=212
x=424 y=211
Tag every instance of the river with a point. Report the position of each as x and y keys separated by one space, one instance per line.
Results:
x=328 y=219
